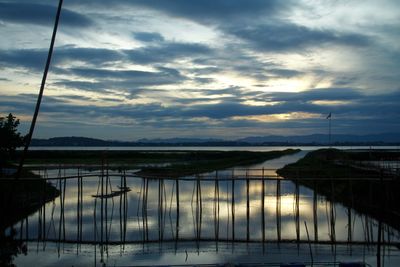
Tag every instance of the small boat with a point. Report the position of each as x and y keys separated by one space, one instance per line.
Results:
x=115 y=193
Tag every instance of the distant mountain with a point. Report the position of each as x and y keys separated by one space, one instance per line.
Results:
x=179 y=140
x=92 y=142
x=69 y=141
x=324 y=138
x=314 y=139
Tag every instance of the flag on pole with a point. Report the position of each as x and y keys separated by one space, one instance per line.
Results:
x=329 y=116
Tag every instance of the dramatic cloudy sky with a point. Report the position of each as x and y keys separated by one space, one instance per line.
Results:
x=130 y=69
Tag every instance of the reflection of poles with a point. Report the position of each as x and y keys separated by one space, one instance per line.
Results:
x=199 y=211
x=102 y=209
x=262 y=208
x=247 y=208
x=106 y=208
x=216 y=209
x=382 y=207
x=315 y=210
x=297 y=210
x=177 y=213
x=44 y=210
x=123 y=210
x=233 y=207
x=61 y=224
x=349 y=215
x=333 y=213
x=79 y=210
x=161 y=209
x=120 y=211
x=278 y=209
x=146 y=224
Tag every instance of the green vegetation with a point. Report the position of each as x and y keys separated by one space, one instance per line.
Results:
x=370 y=191
x=206 y=161
x=156 y=163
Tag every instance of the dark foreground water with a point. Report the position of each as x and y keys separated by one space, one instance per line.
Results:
x=216 y=222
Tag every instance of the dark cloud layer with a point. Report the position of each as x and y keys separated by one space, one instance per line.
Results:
x=281 y=36
x=202 y=11
x=249 y=45
x=167 y=52
x=148 y=36
x=365 y=109
x=40 y=14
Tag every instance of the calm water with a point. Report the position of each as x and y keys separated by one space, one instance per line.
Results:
x=210 y=148
x=127 y=230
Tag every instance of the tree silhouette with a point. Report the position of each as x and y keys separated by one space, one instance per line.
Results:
x=10 y=138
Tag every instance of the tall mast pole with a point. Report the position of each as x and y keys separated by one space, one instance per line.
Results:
x=330 y=129
x=329 y=117
x=39 y=99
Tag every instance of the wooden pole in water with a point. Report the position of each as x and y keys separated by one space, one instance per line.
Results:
x=145 y=209
x=315 y=211
x=143 y=198
x=77 y=212
x=44 y=209
x=216 y=206
x=201 y=209
x=278 y=209
x=159 y=209
x=382 y=207
x=233 y=207
x=101 y=204
x=349 y=215
x=197 y=213
x=120 y=210
x=81 y=221
x=263 y=207
x=177 y=209
x=106 y=204
x=247 y=207
x=297 y=203
x=333 y=217
x=309 y=244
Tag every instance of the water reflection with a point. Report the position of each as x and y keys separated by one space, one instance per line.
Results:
x=194 y=215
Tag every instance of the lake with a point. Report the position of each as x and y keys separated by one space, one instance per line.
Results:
x=213 y=222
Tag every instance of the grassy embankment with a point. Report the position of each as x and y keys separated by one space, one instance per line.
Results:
x=156 y=163
x=21 y=197
x=333 y=168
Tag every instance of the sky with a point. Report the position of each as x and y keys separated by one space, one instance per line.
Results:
x=132 y=69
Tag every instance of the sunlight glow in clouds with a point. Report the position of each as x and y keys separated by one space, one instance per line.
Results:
x=134 y=69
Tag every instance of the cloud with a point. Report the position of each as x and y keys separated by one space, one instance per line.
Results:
x=40 y=14
x=201 y=11
x=281 y=37
x=317 y=94
x=372 y=110
x=34 y=59
x=122 y=79
x=167 y=52
x=148 y=36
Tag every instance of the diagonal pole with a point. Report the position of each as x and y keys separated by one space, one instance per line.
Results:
x=39 y=99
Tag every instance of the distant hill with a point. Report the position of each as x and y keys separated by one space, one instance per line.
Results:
x=324 y=138
x=179 y=140
x=314 y=139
